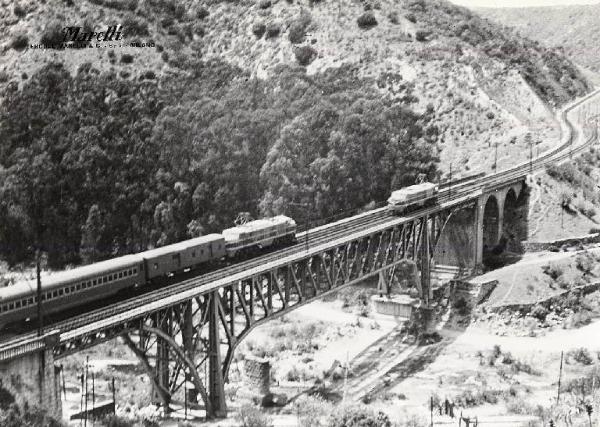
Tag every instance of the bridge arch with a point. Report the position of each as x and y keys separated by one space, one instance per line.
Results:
x=514 y=224
x=491 y=223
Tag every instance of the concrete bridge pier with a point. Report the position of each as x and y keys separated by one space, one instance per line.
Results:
x=478 y=225
x=32 y=380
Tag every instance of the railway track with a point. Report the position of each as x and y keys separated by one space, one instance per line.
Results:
x=332 y=231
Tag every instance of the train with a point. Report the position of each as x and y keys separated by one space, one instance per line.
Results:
x=82 y=285
x=413 y=197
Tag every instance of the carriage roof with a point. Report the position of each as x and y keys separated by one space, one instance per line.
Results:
x=52 y=280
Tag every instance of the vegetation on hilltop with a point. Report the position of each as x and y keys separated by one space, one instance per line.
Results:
x=573 y=29
x=549 y=73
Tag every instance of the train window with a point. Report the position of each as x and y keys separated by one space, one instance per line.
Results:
x=4 y=308
x=11 y=306
x=156 y=266
x=61 y=292
x=201 y=251
x=44 y=297
x=120 y=275
x=135 y=269
x=93 y=282
x=30 y=301
x=193 y=253
x=18 y=304
x=54 y=294
x=67 y=290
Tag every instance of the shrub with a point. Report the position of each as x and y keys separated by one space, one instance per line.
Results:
x=507 y=358
x=202 y=12
x=115 y=421
x=258 y=29
x=469 y=399
x=34 y=417
x=305 y=55
x=421 y=36
x=584 y=263
x=581 y=355
x=19 y=10
x=52 y=34
x=135 y=26
x=496 y=351
x=578 y=319
x=552 y=270
x=148 y=75
x=167 y=21
x=126 y=58
x=366 y=21
x=251 y=416
x=461 y=306
x=411 y=18
x=363 y=304
x=359 y=415
x=264 y=4
x=310 y=410
x=298 y=28
x=565 y=200
x=199 y=29
x=273 y=29
x=539 y=312
x=393 y=17
x=19 y=42
x=517 y=366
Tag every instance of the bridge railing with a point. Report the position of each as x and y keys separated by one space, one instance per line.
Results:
x=28 y=346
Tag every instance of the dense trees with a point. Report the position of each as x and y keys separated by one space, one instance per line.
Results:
x=70 y=142
x=94 y=166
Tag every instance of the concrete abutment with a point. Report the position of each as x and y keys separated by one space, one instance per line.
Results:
x=32 y=380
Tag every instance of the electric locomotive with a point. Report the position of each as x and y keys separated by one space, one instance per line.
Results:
x=410 y=198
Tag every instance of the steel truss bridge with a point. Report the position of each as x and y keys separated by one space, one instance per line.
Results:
x=188 y=332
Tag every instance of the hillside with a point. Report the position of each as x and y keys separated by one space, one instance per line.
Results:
x=259 y=106
x=575 y=28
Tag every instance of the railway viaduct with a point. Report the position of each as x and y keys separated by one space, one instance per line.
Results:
x=191 y=336
x=188 y=332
